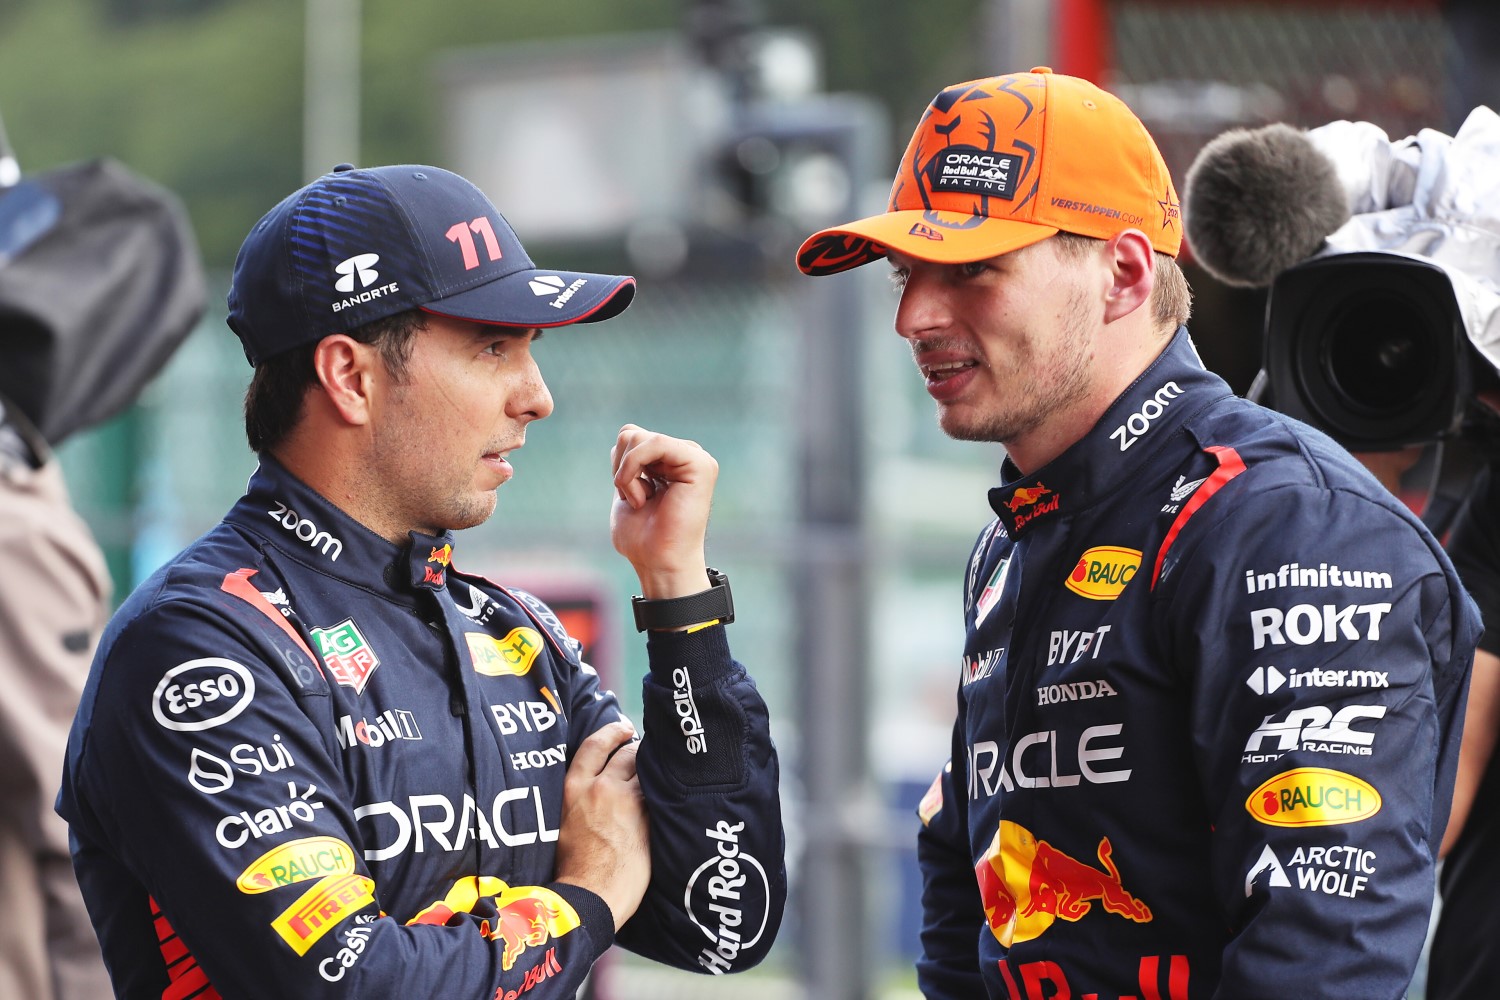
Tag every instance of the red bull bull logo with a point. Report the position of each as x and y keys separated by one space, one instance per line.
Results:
x=1026 y=884
x=1025 y=496
x=521 y=917
x=442 y=556
x=526 y=922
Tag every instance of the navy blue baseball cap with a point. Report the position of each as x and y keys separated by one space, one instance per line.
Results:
x=359 y=244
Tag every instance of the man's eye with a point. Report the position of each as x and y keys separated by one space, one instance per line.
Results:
x=972 y=269
x=898 y=278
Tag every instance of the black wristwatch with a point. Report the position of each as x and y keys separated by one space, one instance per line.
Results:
x=715 y=603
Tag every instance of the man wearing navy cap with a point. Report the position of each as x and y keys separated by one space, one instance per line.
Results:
x=315 y=758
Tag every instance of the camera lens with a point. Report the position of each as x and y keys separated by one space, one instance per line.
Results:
x=1380 y=352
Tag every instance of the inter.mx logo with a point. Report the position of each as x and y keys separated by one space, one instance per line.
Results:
x=360 y=267
x=1267 y=680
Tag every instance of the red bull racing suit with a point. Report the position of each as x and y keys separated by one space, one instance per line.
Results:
x=1208 y=718
x=310 y=762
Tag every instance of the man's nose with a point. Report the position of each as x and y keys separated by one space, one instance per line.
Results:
x=532 y=400
x=921 y=309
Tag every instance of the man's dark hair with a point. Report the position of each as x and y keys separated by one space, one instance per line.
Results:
x=273 y=403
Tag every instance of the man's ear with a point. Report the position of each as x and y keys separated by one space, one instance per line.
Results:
x=1134 y=273
x=345 y=370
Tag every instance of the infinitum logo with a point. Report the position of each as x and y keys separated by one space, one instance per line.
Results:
x=547 y=284
x=361 y=267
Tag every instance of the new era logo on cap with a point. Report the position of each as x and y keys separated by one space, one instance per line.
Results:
x=546 y=284
x=360 y=266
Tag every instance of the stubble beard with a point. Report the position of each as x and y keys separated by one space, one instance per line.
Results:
x=1056 y=380
x=430 y=503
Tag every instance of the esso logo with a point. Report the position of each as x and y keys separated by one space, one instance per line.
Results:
x=201 y=694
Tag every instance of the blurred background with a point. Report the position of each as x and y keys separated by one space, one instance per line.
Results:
x=693 y=143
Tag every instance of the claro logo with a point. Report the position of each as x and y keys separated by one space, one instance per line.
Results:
x=201 y=694
x=306 y=531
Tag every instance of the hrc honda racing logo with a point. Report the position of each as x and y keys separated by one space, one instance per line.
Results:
x=1314 y=729
x=728 y=897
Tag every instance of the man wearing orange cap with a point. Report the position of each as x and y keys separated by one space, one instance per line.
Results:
x=1213 y=677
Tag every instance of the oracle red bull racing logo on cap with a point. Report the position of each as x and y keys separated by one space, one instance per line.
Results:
x=1313 y=796
x=1103 y=571
x=1026 y=884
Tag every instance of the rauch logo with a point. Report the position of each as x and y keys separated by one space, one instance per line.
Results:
x=1103 y=571
x=1313 y=796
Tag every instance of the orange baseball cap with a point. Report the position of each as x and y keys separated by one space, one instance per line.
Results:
x=1002 y=163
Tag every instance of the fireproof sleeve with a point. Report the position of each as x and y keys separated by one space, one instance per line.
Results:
x=1326 y=645
x=710 y=775
x=952 y=915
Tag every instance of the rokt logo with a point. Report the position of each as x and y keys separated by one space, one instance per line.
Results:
x=359 y=268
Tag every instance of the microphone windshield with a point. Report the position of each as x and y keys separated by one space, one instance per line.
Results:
x=1258 y=201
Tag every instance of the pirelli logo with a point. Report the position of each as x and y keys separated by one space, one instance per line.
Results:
x=321 y=908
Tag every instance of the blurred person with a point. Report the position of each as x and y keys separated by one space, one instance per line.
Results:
x=100 y=281
x=54 y=599
x=1462 y=963
x=1213 y=679
x=315 y=758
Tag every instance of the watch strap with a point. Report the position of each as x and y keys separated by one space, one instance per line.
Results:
x=714 y=604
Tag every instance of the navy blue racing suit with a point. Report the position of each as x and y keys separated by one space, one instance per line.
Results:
x=1208 y=718
x=310 y=762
